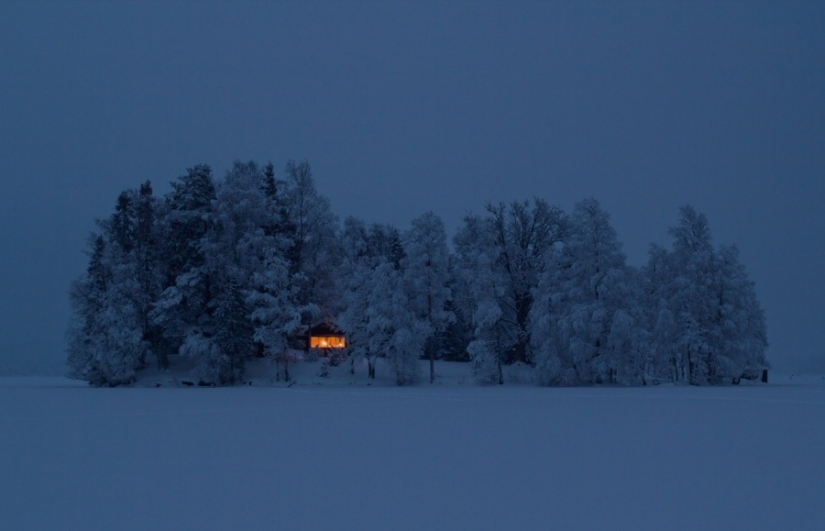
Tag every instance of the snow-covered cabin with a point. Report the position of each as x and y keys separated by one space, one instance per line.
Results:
x=326 y=336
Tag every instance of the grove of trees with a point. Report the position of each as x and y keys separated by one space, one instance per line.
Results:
x=223 y=270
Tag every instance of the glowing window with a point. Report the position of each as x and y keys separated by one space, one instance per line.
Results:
x=327 y=342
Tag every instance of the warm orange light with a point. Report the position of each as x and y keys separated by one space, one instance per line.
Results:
x=327 y=342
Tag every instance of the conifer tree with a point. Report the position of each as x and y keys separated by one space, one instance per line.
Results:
x=105 y=340
x=182 y=311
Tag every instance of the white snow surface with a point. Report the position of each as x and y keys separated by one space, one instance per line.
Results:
x=336 y=453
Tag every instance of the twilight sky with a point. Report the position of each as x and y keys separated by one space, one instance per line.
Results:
x=404 y=107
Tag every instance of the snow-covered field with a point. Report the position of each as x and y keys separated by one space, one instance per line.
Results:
x=451 y=456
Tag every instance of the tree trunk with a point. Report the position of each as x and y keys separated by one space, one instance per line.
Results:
x=523 y=303
x=432 y=360
x=370 y=369
x=163 y=359
x=500 y=373
x=691 y=370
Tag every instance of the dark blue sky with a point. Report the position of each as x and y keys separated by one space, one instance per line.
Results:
x=407 y=107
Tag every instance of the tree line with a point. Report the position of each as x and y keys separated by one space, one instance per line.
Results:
x=222 y=270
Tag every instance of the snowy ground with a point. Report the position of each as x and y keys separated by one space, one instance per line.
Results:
x=452 y=456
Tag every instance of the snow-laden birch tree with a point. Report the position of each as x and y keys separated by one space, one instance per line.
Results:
x=376 y=313
x=707 y=324
x=312 y=228
x=588 y=326
x=392 y=326
x=742 y=328
x=500 y=258
x=426 y=277
x=481 y=287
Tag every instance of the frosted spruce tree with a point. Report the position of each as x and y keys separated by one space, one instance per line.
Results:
x=148 y=272
x=233 y=249
x=183 y=310
x=110 y=334
x=106 y=344
x=272 y=297
x=246 y=298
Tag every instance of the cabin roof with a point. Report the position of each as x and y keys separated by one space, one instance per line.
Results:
x=326 y=329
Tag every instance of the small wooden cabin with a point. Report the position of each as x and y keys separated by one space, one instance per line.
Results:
x=326 y=336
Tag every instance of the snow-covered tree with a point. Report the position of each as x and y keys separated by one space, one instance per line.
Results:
x=218 y=270
x=353 y=319
x=236 y=221
x=392 y=327
x=148 y=270
x=106 y=344
x=253 y=300
x=499 y=259
x=426 y=270
x=186 y=216
x=110 y=335
x=354 y=277
x=377 y=313
x=481 y=289
x=693 y=298
x=183 y=309
x=276 y=316
x=657 y=284
x=587 y=323
x=311 y=228
x=86 y=298
x=706 y=322
x=233 y=291
x=742 y=326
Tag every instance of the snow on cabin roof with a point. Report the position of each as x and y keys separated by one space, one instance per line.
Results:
x=326 y=329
